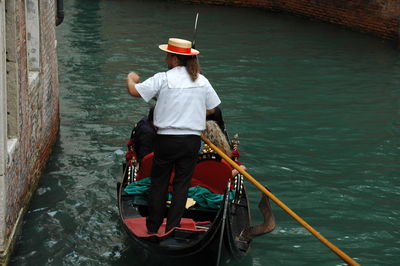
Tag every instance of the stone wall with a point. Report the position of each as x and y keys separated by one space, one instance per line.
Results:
x=379 y=17
x=31 y=94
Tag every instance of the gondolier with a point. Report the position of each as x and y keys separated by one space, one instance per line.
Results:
x=184 y=96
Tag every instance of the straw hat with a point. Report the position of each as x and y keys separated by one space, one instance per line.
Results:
x=179 y=46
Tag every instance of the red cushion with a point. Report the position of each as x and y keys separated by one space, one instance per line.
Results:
x=212 y=175
x=145 y=166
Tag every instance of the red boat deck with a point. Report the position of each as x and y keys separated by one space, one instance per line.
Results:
x=138 y=226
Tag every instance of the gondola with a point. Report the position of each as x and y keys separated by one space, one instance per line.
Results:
x=222 y=228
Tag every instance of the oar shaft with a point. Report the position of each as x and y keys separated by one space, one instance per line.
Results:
x=195 y=31
x=325 y=241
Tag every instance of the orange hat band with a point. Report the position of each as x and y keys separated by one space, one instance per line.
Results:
x=177 y=49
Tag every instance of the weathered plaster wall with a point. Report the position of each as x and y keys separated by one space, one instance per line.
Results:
x=32 y=102
x=3 y=114
x=379 y=17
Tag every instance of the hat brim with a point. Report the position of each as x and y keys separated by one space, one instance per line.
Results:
x=165 y=46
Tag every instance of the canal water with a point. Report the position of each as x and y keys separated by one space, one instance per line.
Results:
x=316 y=106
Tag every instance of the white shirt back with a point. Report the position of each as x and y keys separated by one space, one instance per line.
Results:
x=181 y=103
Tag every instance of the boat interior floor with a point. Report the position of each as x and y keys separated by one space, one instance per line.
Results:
x=195 y=222
x=187 y=225
x=136 y=205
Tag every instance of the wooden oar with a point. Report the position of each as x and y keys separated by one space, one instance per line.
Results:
x=325 y=241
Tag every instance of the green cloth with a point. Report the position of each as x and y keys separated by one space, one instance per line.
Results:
x=205 y=198
x=202 y=196
x=138 y=187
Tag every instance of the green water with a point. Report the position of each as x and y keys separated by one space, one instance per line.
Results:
x=317 y=108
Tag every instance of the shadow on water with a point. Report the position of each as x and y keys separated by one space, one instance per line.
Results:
x=86 y=26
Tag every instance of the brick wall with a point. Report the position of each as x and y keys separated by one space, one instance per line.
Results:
x=379 y=17
x=37 y=112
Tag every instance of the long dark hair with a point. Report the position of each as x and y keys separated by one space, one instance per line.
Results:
x=191 y=63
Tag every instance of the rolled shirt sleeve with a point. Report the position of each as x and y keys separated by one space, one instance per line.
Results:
x=212 y=99
x=150 y=88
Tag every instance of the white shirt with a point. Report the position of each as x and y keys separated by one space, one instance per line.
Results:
x=181 y=103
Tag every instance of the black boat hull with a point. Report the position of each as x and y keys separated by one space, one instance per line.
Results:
x=196 y=244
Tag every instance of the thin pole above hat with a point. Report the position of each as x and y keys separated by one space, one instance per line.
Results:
x=179 y=46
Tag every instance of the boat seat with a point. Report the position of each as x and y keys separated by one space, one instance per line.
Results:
x=213 y=175
x=145 y=166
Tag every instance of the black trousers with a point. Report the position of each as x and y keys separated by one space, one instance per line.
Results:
x=171 y=151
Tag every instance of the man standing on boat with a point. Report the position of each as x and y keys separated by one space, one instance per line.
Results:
x=184 y=97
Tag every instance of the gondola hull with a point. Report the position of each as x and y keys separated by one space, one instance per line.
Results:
x=184 y=243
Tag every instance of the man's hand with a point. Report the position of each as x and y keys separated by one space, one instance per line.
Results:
x=131 y=82
x=132 y=76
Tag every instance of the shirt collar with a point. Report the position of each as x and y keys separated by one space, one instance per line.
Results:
x=178 y=77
